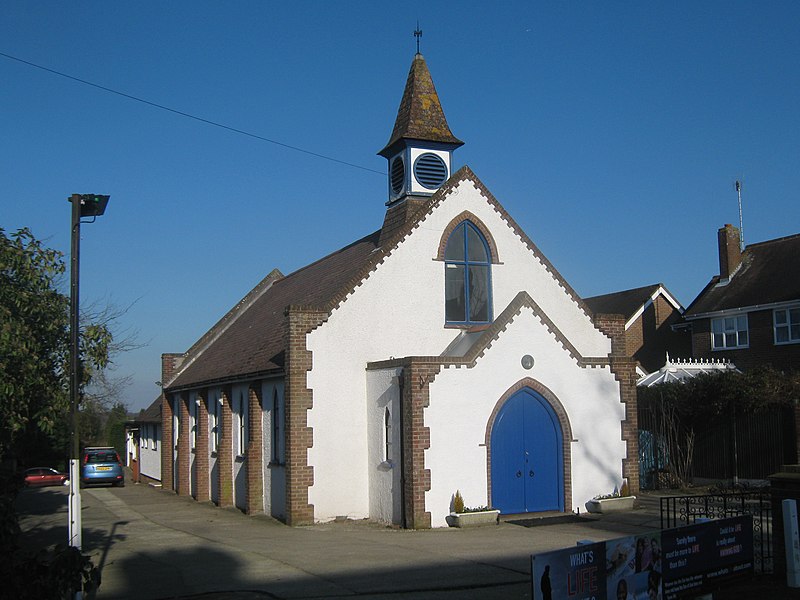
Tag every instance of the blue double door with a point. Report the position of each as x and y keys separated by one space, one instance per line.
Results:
x=527 y=464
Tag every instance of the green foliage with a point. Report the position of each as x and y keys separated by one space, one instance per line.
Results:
x=681 y=410
x=35 y=346
x=29 y=575
x=115 y=428
x=458 y=503
x=34 y=337
x=710 y=395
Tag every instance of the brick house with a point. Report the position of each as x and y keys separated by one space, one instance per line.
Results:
x=649 y=312
x=750 y=312
x=442 y=352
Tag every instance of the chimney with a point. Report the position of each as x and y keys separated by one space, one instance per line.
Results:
x=170 y=363
x=730 y=254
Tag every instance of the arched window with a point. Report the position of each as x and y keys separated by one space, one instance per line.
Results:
x=468 y=276
x=276 y=457
x=387 y=435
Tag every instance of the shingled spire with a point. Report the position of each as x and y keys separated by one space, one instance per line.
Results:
x=420 y=149
x=420 y=116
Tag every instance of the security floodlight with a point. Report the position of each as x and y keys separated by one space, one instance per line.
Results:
x=93 y=205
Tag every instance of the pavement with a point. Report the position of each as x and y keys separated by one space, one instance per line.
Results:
x=152 y=544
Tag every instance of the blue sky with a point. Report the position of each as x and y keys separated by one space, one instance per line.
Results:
x=612 y=132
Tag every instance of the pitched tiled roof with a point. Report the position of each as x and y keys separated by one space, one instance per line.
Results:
x=420 y=115
x=623 y=303
x=151 y=414
x=252 y=342
x=768 y=274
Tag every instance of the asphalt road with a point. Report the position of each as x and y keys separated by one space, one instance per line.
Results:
x=152 y=544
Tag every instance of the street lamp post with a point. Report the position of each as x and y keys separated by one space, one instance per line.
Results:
x=83 y=205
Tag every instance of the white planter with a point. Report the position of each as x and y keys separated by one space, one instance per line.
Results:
x=473 y=519
x=607 y=505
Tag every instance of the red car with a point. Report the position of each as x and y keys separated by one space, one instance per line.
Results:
x=42 y=476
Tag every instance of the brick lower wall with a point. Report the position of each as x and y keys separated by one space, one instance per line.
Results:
x=167 y=476
x=255 y=452
x=201 y=450
x=298 y=401
x=184 y=437
x=225 y=451
x=417 y=377
x=624 y=369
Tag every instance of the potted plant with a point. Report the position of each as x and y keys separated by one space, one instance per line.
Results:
x=462 y=516
x=618 y=500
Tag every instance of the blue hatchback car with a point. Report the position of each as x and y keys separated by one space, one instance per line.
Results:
x=102 y=465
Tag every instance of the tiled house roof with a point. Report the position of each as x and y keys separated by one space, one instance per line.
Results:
x=767 y=275
x=624 y=303
x=420 y=115
x=252 y=340
x=151 y=414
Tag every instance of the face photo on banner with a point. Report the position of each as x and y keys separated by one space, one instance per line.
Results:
x=633 y=568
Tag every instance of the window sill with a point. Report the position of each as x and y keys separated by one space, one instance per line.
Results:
x=730 y=348
x=386 y=465
x=240 y=457
x=468 y=327
x=273 y=463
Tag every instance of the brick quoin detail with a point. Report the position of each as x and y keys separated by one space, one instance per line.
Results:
x=255 y=454
x=184 y=436
x=169 y=365
x=566 y=434
x=417 y=377
x=299 y=400
x=225 y=451
x=167 y=445
x=624 y=369
x=202 y=451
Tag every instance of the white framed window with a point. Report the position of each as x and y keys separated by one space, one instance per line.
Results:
x=275 y=441
x=786 y=323
x=193 y=419
x=387 y=435
x=215 y=406
x=243 y=430
x=729 y=332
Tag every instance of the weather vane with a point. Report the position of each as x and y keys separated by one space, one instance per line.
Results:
x=418 y=35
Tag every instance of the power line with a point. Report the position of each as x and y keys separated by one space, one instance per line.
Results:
x=190 y=116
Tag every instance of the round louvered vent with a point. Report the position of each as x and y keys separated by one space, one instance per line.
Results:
x=430 y=170
x=398 y=174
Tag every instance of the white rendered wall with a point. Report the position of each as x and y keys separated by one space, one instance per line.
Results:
x=150 y=452
x=399 y=311
x=383 y=392
x=462 y=401
x=274 y=470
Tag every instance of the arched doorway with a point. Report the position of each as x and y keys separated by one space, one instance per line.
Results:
x=527 y=456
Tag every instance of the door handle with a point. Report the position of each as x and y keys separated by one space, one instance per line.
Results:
x=519 y=473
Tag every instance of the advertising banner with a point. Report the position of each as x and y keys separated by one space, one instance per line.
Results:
x=700 y=557
x=661 y=565
x=578 y=573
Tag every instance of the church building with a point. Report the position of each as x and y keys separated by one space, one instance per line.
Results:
x=442 y=352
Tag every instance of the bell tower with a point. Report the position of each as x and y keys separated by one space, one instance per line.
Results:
x=421 y=146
